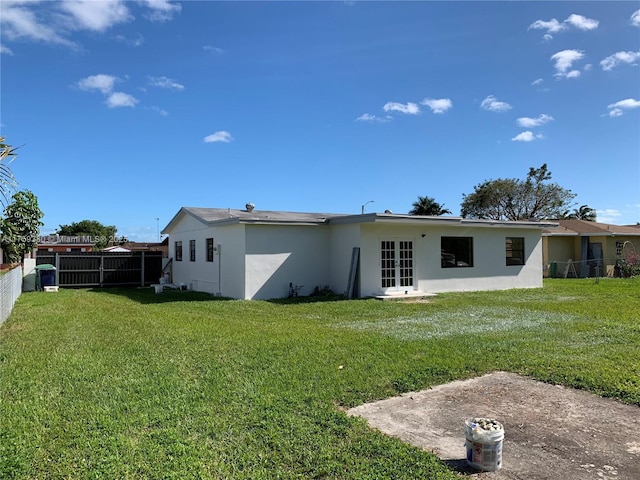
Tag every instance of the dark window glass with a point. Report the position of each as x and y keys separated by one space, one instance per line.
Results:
x=515 y=250
x=210 y=250
x=456 y=252
x=192 y=250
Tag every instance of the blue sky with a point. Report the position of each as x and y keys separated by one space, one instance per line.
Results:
x=126 y=111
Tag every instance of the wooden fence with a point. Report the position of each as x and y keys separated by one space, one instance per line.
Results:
x=104 y=269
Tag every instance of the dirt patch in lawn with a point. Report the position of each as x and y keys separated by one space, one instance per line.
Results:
x=551 y=431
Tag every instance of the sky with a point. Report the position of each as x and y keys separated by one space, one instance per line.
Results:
x=126 y=111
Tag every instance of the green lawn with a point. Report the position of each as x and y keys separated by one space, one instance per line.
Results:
x=126 y=384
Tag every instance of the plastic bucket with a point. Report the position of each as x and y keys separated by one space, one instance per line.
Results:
x=484 y=438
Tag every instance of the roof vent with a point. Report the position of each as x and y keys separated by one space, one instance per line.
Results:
x=250 y=207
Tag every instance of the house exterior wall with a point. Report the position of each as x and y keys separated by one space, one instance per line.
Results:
x=260 y=260
x=489 y=270
x=204 y=276
x=277 y=255
x=559 y=249
x=343 y=238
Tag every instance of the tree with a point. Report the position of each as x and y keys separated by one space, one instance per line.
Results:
x=583 y=213
x=428 y=206
x=101 y=235
x=20 y=226
x=7 y=181
x=535 y=198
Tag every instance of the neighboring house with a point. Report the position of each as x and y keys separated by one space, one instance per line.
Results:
x=65 y=244
x=149 y=247
x=116 y=249
x=250 y=254
x=578 y=248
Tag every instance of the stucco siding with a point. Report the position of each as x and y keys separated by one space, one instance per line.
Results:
x=489 y=270
x=277 y=255
x=343 y=239
x=187 y=229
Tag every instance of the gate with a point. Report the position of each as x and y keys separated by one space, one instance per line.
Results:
x=104 y=269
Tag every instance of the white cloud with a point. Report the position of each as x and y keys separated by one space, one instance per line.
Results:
x=18 y=22
x=159 y=111
x=136 y=42
x=554 y=26
x=608 y=215
x=618 y=108
x=165 y=82
x=619 y=57
x=551 y=26
x=492 y=104
x=564 y=61
x=5 y=50
x=410 y=108
x=161 y=10
x=213 y=49
x=28 y=20
x=582 y=23
x=527 y=122
x=439 y=105
x=101 y=82
x=538 y=81
x=367 y=117
x=526 y=137
x=97 y=16
x=120 y=99
x=635 y=18
x=220 y=136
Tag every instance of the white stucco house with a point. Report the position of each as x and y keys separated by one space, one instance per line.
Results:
x=253 y=254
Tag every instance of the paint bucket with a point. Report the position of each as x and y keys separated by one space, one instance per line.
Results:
x=484 y=437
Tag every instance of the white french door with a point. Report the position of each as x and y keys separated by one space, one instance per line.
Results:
x=396 y=265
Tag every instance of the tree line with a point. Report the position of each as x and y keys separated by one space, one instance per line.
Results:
x=534 y=198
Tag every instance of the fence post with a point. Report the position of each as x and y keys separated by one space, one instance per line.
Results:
x=57 y=265
x=101 y=269
x=142 y=270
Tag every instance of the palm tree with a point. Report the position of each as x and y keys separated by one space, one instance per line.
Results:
x=7 y=181
x=583 y=213
x=428 y=206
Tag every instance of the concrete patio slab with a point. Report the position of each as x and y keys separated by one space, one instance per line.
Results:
x=551 y=432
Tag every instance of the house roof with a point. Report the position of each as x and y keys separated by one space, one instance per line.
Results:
x=574 y=227
x=227 y=216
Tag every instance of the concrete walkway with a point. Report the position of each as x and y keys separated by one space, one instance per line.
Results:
x=551 y=432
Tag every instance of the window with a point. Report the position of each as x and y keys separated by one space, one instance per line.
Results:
x=456 y=252
x=178 y=246
x=210 y=250
x=192 y=250
x=515 y=250
x=619 y=247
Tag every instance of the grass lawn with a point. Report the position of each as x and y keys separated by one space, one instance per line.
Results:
x=127 y=384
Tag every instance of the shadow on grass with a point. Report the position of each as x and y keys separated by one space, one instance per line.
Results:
x=309 y=299
x=147 y=295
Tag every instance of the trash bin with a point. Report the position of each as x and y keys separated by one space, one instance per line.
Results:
x=46 y=276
